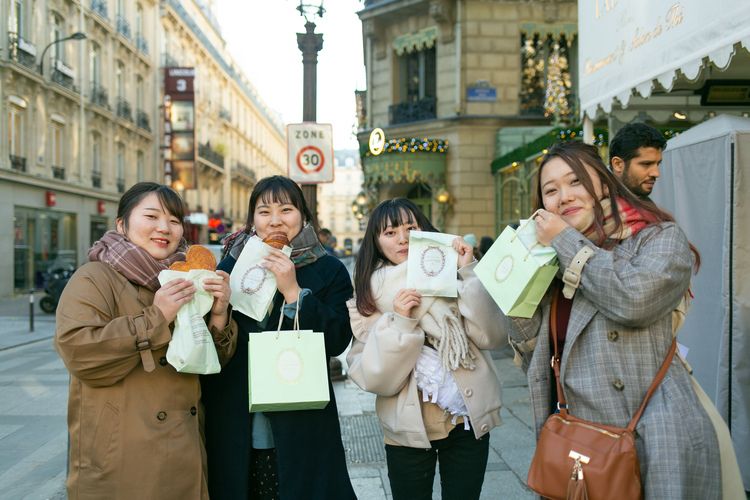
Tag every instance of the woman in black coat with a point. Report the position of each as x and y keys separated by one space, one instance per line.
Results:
x=292 y=454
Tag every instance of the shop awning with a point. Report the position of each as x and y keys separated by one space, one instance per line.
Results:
x=411 y=168
x=626 y=46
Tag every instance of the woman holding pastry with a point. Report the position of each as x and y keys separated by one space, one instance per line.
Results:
x=133 y=420
x=290 y=454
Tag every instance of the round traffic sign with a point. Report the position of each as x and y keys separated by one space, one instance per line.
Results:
x=310 y=159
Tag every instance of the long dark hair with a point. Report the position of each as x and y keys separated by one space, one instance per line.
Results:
x=576 y=154
x=168 y=197
x=395 y=213
x=277 y=189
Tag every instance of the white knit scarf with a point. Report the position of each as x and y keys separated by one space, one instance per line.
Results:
x=438 y=317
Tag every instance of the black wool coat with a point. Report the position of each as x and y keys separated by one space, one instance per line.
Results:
x=311 y=461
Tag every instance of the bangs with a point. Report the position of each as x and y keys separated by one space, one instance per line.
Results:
x=171 y=202
x=277 y=194
x=395 y=216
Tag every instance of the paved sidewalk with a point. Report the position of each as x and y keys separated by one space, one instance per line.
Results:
x=15 y=324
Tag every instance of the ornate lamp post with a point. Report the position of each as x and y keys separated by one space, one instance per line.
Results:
x=75 y=36
x=310 y=43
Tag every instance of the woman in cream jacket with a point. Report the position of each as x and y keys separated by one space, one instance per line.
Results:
x=426 y=359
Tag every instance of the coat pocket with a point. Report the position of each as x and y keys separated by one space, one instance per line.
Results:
x=105 y=436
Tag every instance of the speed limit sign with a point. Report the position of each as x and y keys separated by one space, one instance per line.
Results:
x=310 y=152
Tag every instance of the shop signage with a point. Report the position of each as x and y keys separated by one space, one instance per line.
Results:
x=100 y=208
x=179 y=128
x=310 y=148
x=50 y=198
x=481 y=91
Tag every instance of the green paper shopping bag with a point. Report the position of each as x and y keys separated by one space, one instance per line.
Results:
x=287 y=370
x=517 y=270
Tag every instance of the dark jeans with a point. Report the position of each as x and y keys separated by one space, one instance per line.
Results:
x=462 y=460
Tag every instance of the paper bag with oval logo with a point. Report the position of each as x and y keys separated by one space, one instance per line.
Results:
x=432 y=264
x=517 y=270
x=287 y=370
x=253 y=287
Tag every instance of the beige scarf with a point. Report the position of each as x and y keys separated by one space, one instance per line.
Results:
x=438 y=317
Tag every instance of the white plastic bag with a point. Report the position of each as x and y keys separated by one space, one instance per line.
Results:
x=192 y=349
x=253 y=286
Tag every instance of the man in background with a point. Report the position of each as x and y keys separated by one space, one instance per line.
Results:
x=635 y=157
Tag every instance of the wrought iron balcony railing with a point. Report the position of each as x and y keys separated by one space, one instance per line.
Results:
x=120 y=185
x=62 y=74
x=141 y=120
x=124 y=110
x=21 y=51
x=141 y=43
x=225 y=114
x=100 y=8
x=123 y=26
x=58 y=172
x=205 y=151
x=18 y=163
x=99 y=95
x=423 y=109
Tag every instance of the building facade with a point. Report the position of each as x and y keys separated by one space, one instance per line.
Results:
x=447 y=82
x=239 y=140
x=337 y=202
x=77 y=128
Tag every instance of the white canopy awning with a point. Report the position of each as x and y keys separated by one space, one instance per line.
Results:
x=630 y=45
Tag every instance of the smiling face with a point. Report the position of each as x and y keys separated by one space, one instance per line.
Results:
x=271 y=217
x=151 y=227
x=393 y=242
x=564 y=194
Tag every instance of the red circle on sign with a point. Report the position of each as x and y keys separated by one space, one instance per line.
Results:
x=315 y=169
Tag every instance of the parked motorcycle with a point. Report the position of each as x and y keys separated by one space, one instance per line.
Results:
x=56 y=281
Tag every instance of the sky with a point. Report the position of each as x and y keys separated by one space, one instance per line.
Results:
x=261 y=37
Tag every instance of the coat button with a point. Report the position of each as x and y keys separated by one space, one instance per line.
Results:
x=162 y=415
x=617 y=384
x=163 y=361
x=485 y=427
x=468 y=392
x=193 y=411
x=613 y=335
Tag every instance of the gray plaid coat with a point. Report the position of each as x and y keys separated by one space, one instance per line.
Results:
x=619 y=332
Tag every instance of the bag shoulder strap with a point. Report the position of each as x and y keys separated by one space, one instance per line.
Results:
x=562 y=405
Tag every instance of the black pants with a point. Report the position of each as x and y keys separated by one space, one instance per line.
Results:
x=462 y=460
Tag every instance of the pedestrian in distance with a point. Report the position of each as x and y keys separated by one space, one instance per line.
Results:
x=426 y=359
x=635 y=155
x=484 y=245
x=616 y=330
x=133 y=420
x=288 y=455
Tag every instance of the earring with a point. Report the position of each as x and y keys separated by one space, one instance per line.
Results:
x=252 y=229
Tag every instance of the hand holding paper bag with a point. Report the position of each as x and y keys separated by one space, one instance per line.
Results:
x=517 y=270
x=192 y=349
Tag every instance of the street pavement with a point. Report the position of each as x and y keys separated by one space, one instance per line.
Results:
x=33 y=432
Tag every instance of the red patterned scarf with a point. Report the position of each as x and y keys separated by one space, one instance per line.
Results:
x=632 y=219
x=132 y=261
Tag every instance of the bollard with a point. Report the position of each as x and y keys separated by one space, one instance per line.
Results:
x=31 y=311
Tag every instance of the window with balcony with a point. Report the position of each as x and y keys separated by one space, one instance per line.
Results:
x=99 y=95
x=123 y=26
x=57 y=145
x=139 y=166
x=416 y=87
x=123 y=110
x=19 y=47
x=96 y=160
x=140 y=38
x=120 y=167
x=57 y=51
x=16 y=138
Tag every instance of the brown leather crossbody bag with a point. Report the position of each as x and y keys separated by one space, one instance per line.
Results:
x=577 y=459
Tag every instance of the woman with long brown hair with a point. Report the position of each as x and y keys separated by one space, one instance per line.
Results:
x=614 y=329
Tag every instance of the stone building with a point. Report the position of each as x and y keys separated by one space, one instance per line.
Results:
x=78 y=126
x=239 y=140
x=454 y=83
x=337 y=201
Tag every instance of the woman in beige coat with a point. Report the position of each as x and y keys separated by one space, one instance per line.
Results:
x=133 y=421
x=426 y=358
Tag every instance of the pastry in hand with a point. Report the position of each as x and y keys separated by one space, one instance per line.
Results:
x=197 y=257
x=276 y=240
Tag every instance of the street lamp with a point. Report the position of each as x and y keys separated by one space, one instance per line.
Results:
x=310 y=43
x=75 y=36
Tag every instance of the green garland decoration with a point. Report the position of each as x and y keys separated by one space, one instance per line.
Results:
x=410 y=145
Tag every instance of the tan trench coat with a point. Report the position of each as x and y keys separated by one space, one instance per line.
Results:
x=133 y=433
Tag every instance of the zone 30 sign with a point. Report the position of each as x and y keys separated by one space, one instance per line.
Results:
x=310 y=152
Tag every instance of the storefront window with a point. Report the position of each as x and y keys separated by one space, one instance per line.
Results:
x=514 y=189
x=98 y=227
x=43 y=241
